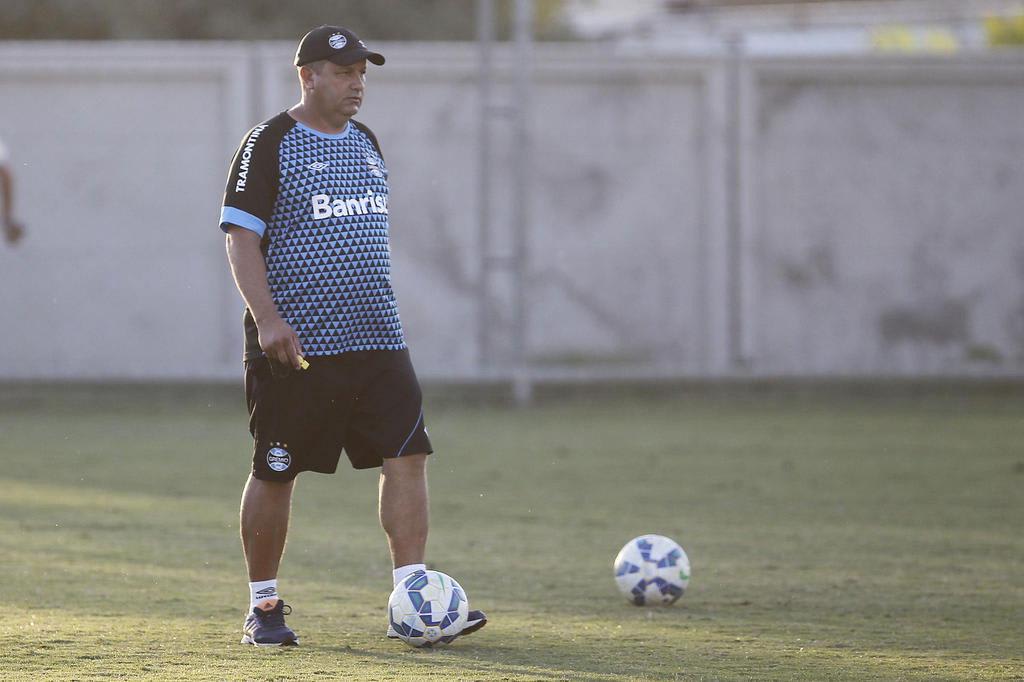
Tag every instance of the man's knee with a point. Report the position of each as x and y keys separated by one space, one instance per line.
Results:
x=274 y=486
x=405 y=466
x=261 y=491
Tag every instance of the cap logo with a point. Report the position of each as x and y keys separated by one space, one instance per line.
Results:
x=337 y=41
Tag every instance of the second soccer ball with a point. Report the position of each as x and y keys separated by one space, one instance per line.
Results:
x=652 y=569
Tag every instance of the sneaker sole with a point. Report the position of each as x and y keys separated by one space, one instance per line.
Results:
x=470 y=629
x=465 y=631
x=246 y=639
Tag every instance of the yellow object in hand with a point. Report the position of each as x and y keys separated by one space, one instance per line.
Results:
x=302 y=363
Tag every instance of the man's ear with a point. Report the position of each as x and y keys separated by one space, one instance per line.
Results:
x=306 y=75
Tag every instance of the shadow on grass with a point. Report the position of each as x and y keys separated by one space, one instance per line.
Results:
x=558 y=664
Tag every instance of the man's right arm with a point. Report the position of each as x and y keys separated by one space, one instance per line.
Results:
x=249 y=268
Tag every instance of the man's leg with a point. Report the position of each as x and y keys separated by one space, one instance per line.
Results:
x=404 y=508
x=266 y=506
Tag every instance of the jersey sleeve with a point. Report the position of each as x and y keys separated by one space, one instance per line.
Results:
x=253 y=181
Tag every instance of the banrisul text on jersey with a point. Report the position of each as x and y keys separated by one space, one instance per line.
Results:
x=325 y=206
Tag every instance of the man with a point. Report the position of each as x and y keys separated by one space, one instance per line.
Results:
x=13 y=230
x=306 y=216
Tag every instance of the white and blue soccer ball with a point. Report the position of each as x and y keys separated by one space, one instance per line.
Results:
x=651 y=570
x=427 y=609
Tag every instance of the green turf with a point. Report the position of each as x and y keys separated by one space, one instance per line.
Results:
x=831 y=538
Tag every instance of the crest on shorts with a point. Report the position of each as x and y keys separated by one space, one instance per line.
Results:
x=278 y=458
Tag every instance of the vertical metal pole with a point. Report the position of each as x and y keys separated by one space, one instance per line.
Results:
x=736 y=274
x=485 y=39
x=523 y=70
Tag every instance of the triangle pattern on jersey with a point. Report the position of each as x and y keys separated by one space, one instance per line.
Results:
x=330 y=275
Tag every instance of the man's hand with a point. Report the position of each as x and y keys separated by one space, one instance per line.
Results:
x=13 y=231
x=280 y=342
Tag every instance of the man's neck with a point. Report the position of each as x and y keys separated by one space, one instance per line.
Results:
x=305 y=115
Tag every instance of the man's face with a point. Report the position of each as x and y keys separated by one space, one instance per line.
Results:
x=338 y=90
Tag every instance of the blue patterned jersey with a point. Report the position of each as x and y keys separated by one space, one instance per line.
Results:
x=320 y=202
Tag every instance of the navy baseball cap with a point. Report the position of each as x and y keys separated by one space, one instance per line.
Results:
x=335 y=43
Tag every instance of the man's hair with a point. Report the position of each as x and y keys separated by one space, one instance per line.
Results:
x=317 y=65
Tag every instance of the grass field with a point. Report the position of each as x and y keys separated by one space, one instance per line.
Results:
x=831 y=537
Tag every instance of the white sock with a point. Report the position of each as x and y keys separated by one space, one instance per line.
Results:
x=261 y=591
x=403 y=572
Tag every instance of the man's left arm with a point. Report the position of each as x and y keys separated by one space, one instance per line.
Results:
x=13 y=231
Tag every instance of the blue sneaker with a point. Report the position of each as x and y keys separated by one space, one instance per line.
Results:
x=474 y=621
x=267 y=628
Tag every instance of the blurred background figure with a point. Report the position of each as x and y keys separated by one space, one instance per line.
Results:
x=13 y=231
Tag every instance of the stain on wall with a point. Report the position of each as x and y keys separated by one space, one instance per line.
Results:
x=941 y=323
x=817 y=268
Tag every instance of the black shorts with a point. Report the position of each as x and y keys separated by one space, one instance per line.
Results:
x=367 y=403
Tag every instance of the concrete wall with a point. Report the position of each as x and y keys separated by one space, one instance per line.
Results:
x=120 y=155
x=883 y=233
x=689 y=217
